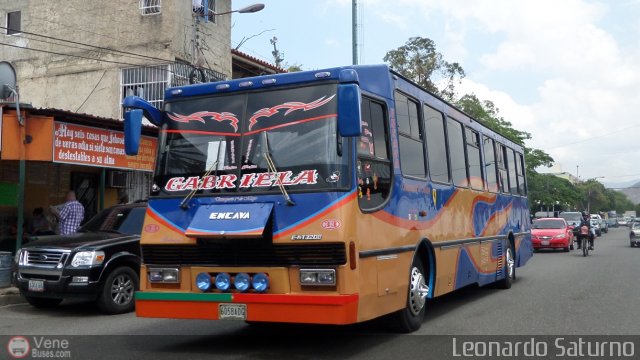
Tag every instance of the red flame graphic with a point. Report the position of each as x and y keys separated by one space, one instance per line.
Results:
x=199 y=116
x=291 y=106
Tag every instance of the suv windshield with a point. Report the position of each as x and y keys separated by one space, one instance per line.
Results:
x=122 y=219
x=216 y=144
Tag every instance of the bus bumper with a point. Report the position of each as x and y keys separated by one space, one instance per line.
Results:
x=311 y=309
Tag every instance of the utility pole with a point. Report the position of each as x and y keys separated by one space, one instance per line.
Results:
x=354 y=31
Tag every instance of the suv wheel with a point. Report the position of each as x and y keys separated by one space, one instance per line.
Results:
x=118 y=291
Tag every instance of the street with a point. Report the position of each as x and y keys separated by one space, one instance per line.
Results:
x=556 y=293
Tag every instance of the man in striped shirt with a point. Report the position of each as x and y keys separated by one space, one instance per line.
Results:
x=70 y=214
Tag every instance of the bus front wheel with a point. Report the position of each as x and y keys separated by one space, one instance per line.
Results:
x=410 y=318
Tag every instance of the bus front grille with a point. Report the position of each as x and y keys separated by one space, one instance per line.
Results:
x=241 y=252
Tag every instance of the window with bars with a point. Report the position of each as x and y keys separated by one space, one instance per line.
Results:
x=199 y=7
x=149 y=82
x=150 y=7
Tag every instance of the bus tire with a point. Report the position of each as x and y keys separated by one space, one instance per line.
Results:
x=410 y=318
x=510 y=268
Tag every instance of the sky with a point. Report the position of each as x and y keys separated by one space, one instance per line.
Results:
x=565 y=71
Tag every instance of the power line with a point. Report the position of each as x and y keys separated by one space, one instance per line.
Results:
x=593 y=137
x=91 y=93
x=70 y=55
x=92 y=46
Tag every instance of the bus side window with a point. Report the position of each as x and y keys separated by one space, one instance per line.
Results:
x=522 y=188
x=373 y=166
x=490 y=164
x=412 y=159
x=436 y=145
x=503 y=180
x=513 y=178
x=456 y=153
x=474 y=161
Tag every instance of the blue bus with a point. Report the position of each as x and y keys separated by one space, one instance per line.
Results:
x=332 y=196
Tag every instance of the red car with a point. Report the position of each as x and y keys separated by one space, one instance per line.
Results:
x=551 y=233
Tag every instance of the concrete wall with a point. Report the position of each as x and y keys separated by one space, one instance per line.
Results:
x=90 y=82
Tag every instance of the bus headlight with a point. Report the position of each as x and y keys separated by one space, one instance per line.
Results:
x=165 y=275
x=325 y=277
x=203 y=281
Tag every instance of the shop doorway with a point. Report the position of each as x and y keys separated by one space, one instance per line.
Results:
x=86 y=187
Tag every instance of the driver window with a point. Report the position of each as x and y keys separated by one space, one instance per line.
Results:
x=373 y=164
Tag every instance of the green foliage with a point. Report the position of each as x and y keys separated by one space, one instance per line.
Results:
x=489 y=115
x=294 y=67
x=547 y=191
x=419 y=61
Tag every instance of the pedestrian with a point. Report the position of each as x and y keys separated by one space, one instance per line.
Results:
x=124 y=199
x=69 y=214
x=39 y=224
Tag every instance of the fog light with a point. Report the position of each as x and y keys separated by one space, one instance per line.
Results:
x=223 y=281
x=260 y=282
x=80 y=279
x=241 y=281
x=203 y=281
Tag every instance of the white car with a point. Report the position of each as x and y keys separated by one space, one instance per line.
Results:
x=595 y=225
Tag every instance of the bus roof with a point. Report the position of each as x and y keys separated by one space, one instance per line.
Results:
x=372 y=78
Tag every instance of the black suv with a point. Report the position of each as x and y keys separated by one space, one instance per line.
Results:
x=100 y=262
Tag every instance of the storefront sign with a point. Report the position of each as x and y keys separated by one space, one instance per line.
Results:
x=76 y=144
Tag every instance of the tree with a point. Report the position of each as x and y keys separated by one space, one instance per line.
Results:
x=488 y=114
x=547 y=191
x=419 y=61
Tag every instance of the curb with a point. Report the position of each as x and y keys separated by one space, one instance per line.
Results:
x=10 y=296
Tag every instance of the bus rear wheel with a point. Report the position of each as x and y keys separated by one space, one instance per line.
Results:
x=510 y=270
x=410 y=318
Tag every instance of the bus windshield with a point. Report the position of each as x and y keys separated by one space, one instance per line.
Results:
x=219 y=144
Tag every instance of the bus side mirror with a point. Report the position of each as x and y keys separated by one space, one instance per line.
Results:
x=349 y=110
x=132 y=130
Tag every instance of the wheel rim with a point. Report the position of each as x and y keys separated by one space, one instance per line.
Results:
x=418 y=291
x=510 y=264
x=122 y=289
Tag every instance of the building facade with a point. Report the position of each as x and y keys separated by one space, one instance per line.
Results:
x=75 y=61
x=86 y=56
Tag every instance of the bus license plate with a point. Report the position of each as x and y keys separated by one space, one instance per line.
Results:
x=232 y=311
x=36 y=285
x=545 y=242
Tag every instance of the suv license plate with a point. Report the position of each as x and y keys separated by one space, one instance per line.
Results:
x=232 y=311
x=36 y=285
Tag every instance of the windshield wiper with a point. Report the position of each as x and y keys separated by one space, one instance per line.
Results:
x=183 y=203
x=274 y=171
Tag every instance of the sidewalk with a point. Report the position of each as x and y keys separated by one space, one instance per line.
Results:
x=10 y=295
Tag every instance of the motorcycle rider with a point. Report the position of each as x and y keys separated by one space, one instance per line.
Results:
x=586 y=221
